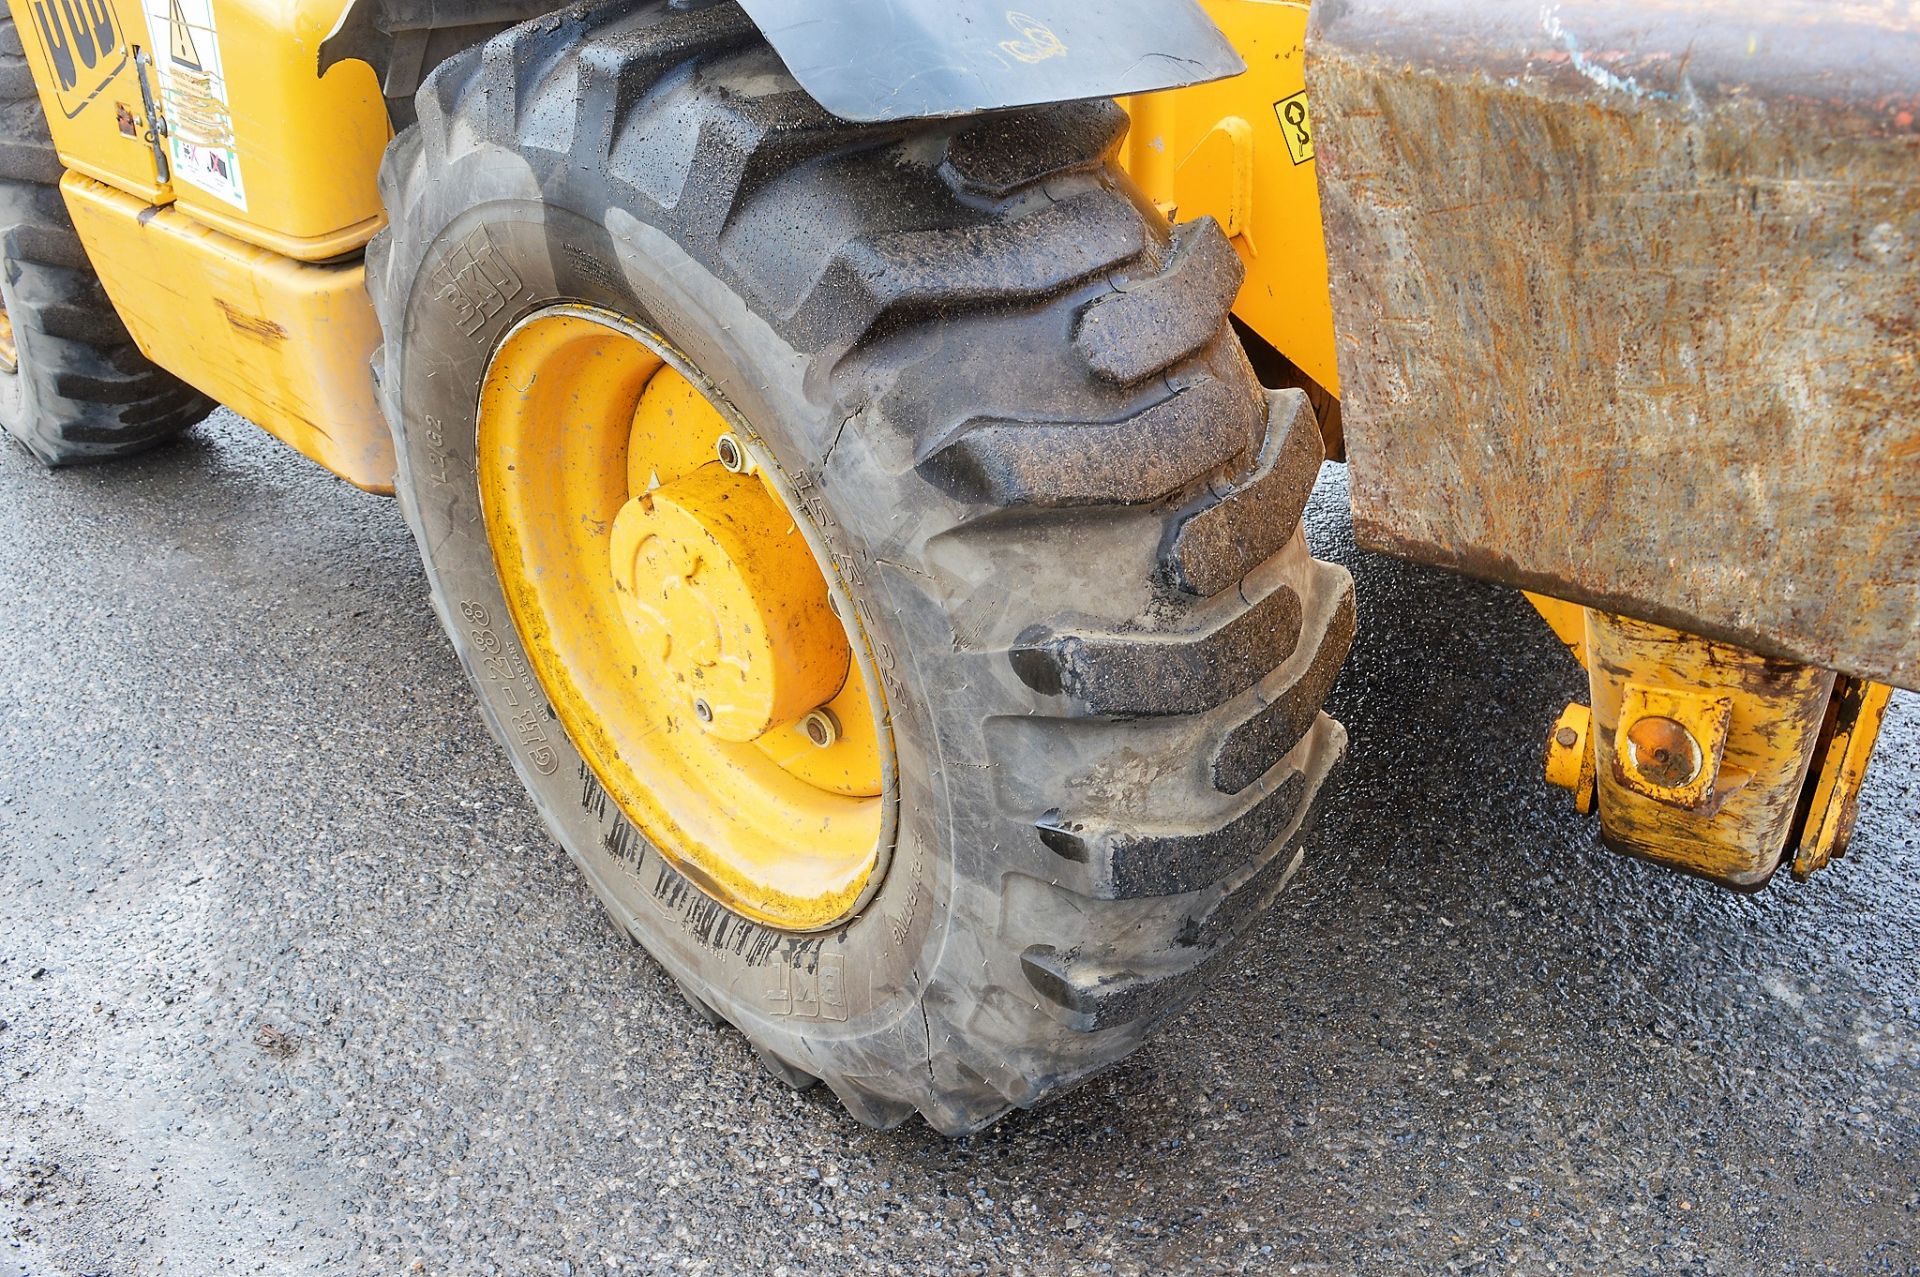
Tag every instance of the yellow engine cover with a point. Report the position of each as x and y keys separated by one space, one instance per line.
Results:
x=257 y=144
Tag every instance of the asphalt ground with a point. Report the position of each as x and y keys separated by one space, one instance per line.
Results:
x=293 y=982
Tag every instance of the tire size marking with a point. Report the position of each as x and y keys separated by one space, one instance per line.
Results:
x=476 y=282
x=507 y=670
x=900 y=925
x=854 y=568
x=436 y=458
x=805 y=493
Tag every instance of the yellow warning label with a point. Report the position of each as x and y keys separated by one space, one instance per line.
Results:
x=184 y=54
x=1296 y=125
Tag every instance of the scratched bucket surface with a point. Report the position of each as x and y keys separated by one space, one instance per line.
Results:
x=1628 y=300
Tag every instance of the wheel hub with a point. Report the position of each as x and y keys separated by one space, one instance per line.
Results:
x=721 y=589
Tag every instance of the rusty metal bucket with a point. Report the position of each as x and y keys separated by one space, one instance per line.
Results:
x=1628 y=299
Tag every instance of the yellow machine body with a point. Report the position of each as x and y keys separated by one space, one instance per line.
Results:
x=1241 y=152
x=257 y=144
x=223 y=190
x=283 y=343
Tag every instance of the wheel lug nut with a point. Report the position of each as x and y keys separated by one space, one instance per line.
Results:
x=733 y=454
x=702 y=710
x=821 y=727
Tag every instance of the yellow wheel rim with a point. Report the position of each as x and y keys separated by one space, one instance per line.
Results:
x=677 y=613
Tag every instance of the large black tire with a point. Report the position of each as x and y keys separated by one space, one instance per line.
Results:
x=1010 y=399
x=82 y=390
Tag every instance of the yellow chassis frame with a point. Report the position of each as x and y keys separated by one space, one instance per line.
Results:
x=284 y=343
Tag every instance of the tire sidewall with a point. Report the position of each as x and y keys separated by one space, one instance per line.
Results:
x=827 y=998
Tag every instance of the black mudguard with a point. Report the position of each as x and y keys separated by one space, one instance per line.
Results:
x=868 y=60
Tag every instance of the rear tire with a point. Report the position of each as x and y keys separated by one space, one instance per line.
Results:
x=81 y=390
x=1008 y=397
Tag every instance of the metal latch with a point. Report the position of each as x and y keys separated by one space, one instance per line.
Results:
x=156 y=138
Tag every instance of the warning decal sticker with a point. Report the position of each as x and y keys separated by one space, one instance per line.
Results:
x=193 y=92
x=1296 y=123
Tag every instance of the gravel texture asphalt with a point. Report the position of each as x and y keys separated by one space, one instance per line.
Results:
x=293 y=982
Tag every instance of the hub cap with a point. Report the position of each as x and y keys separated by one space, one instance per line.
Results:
x=724 y=595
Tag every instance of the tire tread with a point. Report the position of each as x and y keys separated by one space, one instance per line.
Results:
x=1138 y=412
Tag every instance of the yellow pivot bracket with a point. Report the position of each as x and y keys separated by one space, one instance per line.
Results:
x=1706 y=757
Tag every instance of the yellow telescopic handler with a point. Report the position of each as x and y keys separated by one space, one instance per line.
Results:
x=858 y=447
